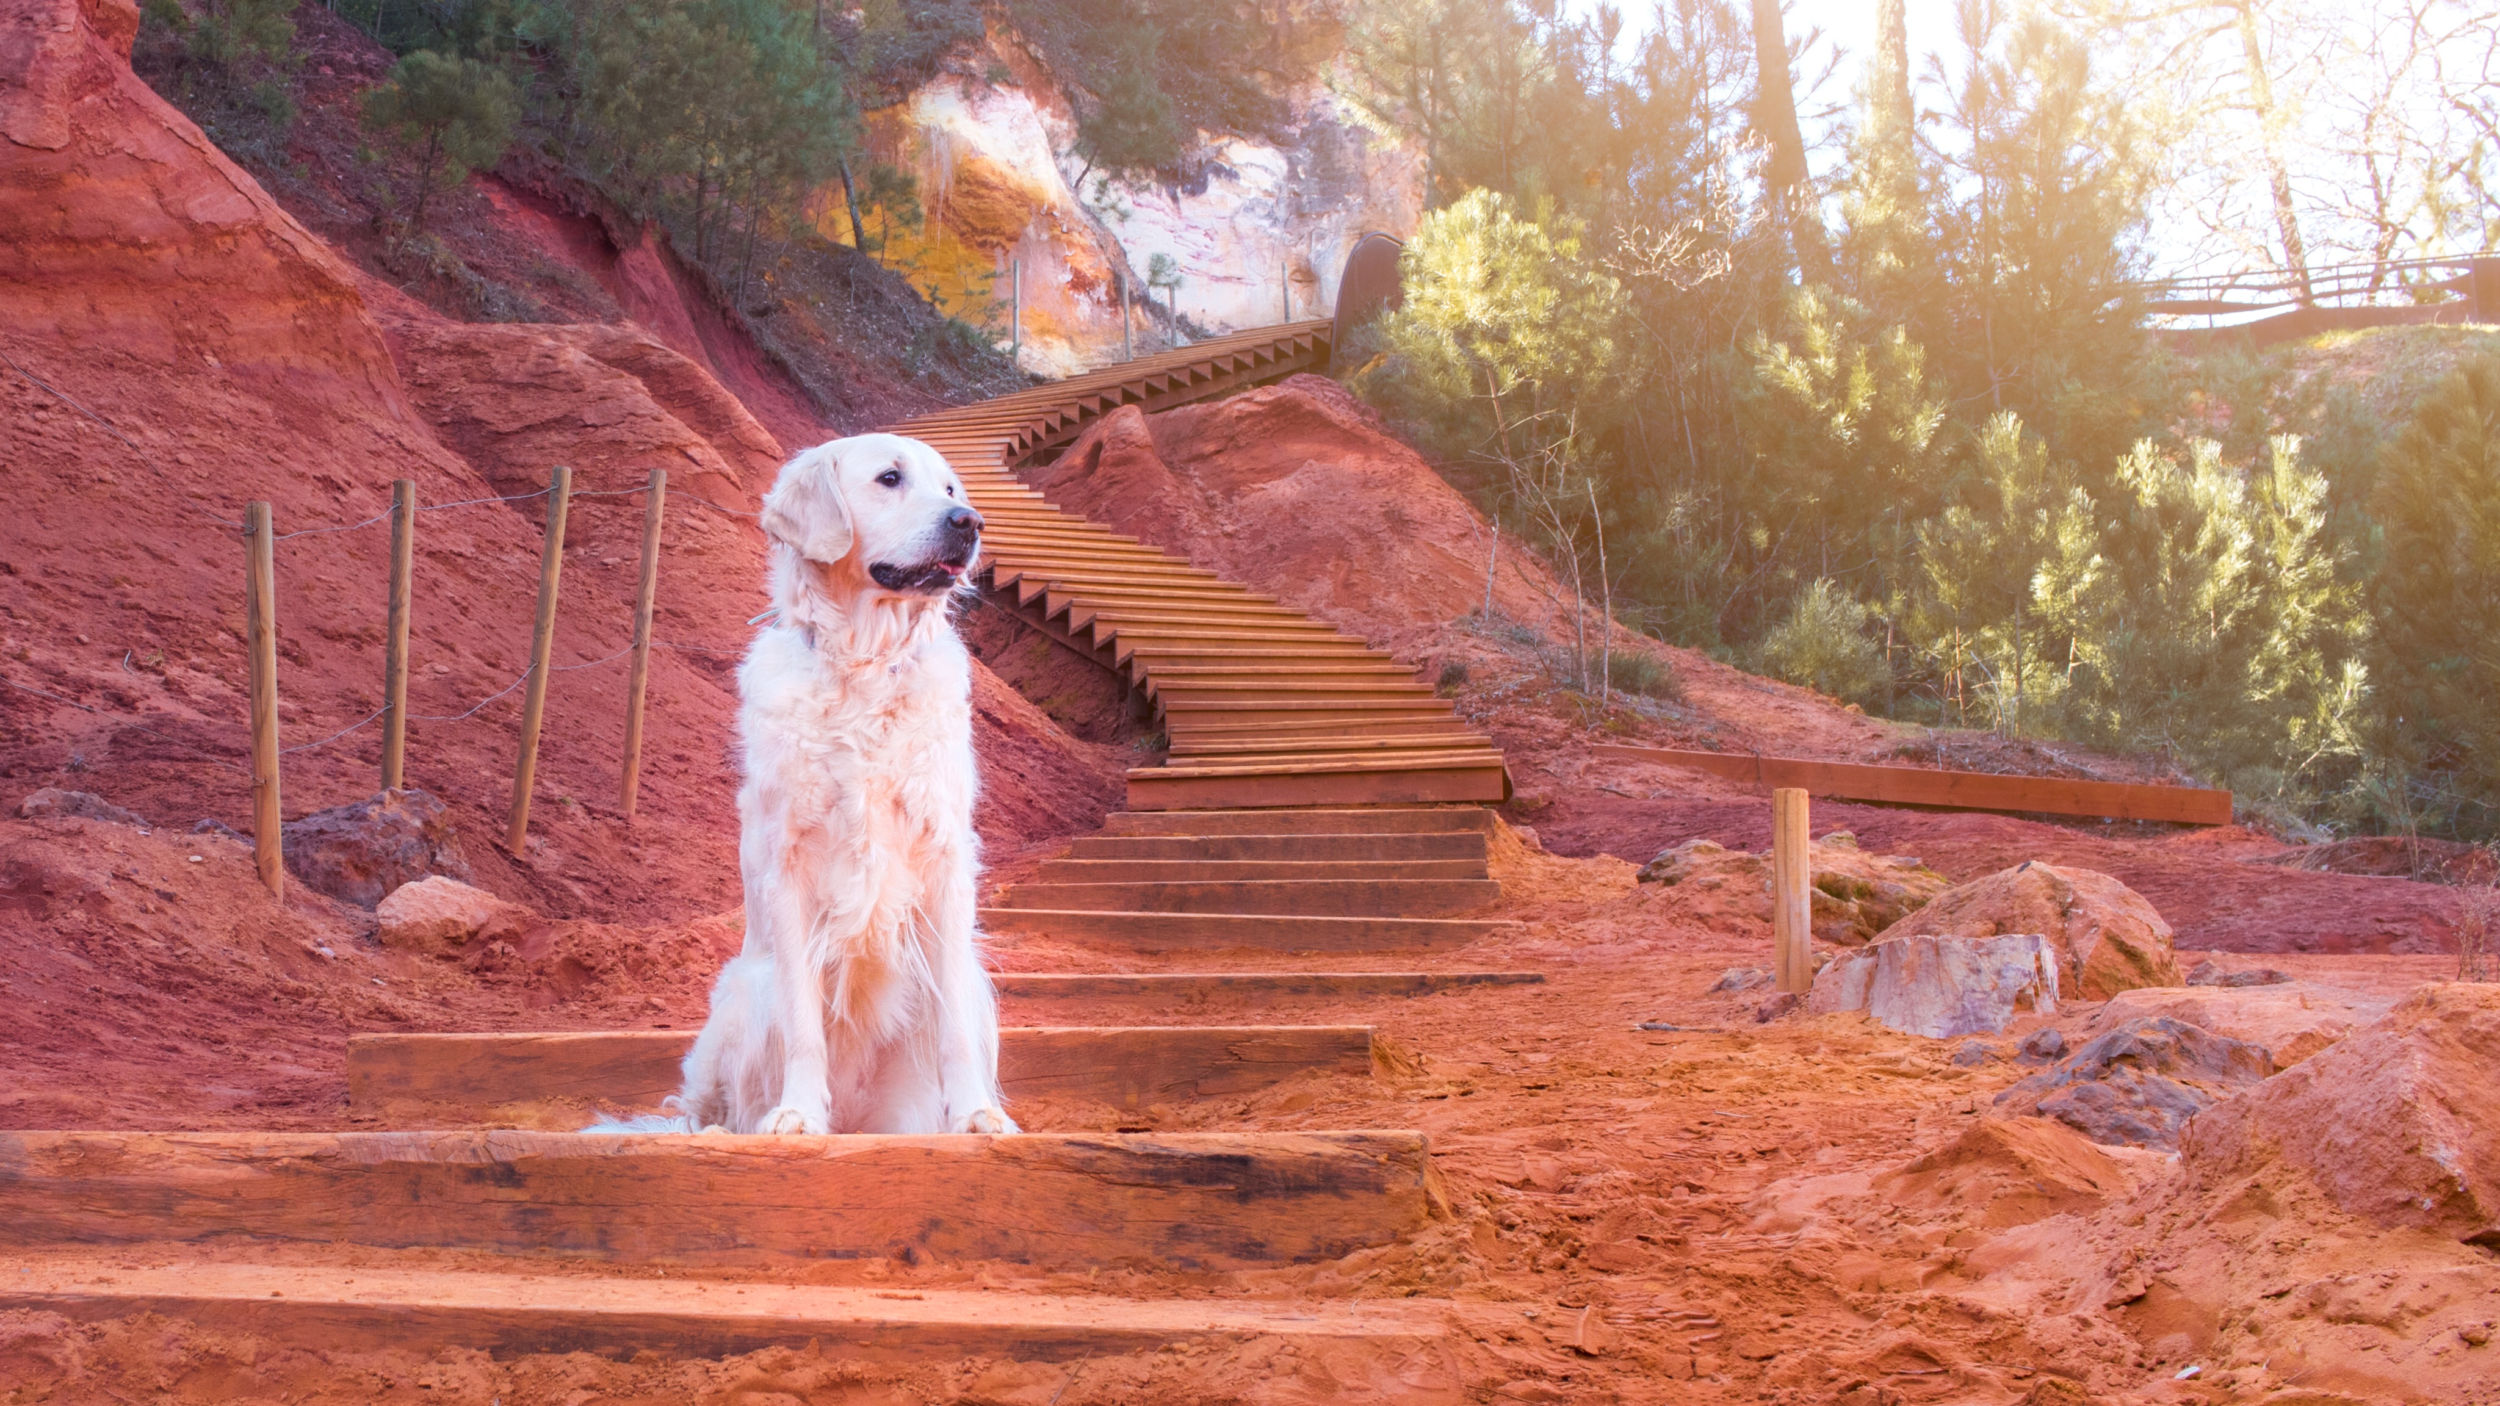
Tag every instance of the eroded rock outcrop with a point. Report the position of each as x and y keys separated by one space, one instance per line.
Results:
x=2108 y=938
x=1941 y=987
x=1855 y=894
x=2399 y=1124
x=2291 y=1021
x=2139 y=1084
x=1257 y=231
x=358 y=853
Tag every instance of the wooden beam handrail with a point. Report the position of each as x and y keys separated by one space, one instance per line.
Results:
x=1951 y=790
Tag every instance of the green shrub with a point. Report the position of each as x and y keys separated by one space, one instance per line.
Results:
x=1824 y=645
x=1643 y=673
x=451 y=114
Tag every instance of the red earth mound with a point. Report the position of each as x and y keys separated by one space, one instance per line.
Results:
x=178 y=343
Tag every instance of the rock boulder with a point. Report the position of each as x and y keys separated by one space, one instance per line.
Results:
x=2139 y=1084
x=435 y=913
x=2292 y=1022
x=51 y=803
x=1941 y=987
x=1855 y=895
x=357 y=853
x=2108 y=938
x=2399 y=1124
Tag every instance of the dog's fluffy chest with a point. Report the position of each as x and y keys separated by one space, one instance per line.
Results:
x=841 y=741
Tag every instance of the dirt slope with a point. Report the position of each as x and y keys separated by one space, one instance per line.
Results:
x=182 y=344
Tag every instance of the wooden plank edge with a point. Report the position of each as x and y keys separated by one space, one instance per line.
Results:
x=1952 y=790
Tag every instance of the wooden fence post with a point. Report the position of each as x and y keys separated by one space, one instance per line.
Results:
x=395 y=636
x=1792 y=881
x=260 y=639
x=644 y=596
x=542 y=647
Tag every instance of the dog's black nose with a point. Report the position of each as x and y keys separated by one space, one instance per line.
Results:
x=963 y=522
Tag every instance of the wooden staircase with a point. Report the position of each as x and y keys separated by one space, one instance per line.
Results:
x=1263 y=706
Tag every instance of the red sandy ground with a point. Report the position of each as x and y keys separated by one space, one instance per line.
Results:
x=1716 y=1213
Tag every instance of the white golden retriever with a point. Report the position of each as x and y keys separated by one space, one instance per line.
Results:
x=859 y=1004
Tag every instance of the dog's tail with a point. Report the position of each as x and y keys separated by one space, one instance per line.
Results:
x=647 y=1123
x=673 y=1117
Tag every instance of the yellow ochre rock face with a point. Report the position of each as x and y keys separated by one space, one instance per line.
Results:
x=1252 y=232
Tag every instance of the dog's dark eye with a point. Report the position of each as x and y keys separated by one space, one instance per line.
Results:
x=891 y=478
x=950 y=490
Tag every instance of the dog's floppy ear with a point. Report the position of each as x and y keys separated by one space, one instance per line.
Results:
x=806 y=508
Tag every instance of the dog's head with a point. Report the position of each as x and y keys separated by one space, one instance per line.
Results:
x=880 y=512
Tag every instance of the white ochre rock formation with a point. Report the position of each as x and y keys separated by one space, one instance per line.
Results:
x=1941 y=986
x=1258 y=233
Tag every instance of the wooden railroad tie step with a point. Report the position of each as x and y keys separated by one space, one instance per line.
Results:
x=1182 y=1200
x=552 y=1079
x=1382 y=898
x=1330 y=783
x=1367 y=820
x=1180 y=932
x=1166 y=871
x=507 y=1315
x=1458 y=844
x=1186 y=986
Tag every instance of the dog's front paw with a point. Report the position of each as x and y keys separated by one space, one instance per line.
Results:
x=987 y=1120
x=787 y=1119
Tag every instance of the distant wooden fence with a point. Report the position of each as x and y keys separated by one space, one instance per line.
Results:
x=1950 y=790
x=2335 y=298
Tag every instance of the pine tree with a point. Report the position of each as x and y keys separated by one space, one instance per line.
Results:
x=451 y=114
x=2436 y=597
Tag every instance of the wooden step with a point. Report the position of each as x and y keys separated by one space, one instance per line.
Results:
x=1227 y=692
x=1013 y=570
x=1030 y=588
x=1197 y=746
x=557 y=1079
x=425 y=1311
x=1180 y=932
x=1128 y=639
x=1381 y=820
x=1166 y=871
x=1252 y=657
x=1082 y=603
x=1464 y=845
x=1359 y=898
x=1048 y=1200
x=1198 y=729
x=1201 y=986
x=1335 y=784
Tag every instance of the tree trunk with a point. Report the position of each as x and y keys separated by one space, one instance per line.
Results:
x=1889 y=111
x=1785 y=180
x=850 y=200
x=2278 y=176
